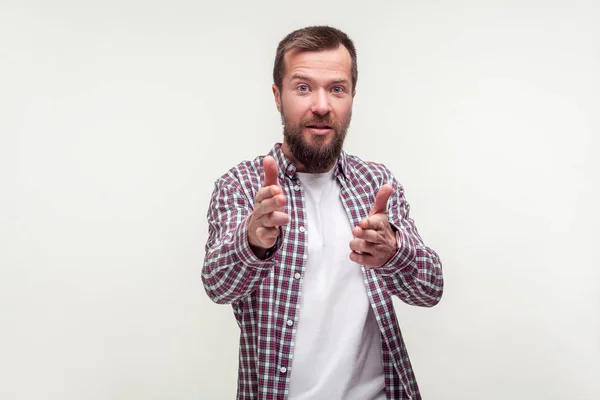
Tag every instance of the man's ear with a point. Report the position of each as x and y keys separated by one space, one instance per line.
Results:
x=277 y=96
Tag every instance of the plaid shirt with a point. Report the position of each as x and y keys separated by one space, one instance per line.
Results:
x=265 y=294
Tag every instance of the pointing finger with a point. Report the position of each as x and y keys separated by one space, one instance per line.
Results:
x=374 y=222
x=368 y=235
x=266 y=193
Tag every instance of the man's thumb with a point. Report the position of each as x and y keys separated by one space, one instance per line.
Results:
x=381 y=199
x=270 y=168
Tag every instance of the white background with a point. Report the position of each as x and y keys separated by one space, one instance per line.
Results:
x=116 y=117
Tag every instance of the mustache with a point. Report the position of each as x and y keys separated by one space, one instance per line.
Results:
x=326 y=120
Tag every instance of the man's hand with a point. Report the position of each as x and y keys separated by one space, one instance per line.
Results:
x=269 y=212
x=374 y=240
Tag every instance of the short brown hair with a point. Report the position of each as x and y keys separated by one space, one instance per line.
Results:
x=313 y=38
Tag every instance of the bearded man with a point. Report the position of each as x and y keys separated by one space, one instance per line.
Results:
x=309 y=245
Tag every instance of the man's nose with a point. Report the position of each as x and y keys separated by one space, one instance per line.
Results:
x=321 y=104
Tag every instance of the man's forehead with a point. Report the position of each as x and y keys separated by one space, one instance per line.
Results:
x=339 y=54
x=306 y=63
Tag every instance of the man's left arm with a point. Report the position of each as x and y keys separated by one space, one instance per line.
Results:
x=388 y=242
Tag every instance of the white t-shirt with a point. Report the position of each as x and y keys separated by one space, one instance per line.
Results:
x=337 y=350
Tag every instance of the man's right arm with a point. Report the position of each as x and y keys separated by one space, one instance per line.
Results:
x=231 y=268
x=243 y=236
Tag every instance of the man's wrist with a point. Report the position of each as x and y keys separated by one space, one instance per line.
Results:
x=244 y=249
x=259 y=252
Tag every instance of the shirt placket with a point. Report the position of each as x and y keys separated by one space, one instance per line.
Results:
x=293 y=270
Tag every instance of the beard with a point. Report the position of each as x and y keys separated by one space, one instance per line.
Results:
x=317 y=155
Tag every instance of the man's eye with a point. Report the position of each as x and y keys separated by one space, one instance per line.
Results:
x=303 y=88
x=338 y=89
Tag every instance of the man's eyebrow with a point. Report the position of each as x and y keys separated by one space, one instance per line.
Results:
x=300 y=77
x=341 y=80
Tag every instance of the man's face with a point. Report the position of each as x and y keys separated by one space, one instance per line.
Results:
x=315 y=103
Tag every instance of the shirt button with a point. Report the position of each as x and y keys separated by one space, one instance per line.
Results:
x=302 y=229
x=297 y=275
x=290 y=322
x=297 y=188
x=283 y=370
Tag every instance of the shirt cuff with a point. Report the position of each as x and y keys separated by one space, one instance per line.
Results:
x=244 y=252
x=403 y=258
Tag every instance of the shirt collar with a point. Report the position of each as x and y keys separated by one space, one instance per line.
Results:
x=288 y=168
